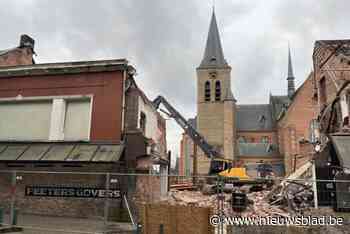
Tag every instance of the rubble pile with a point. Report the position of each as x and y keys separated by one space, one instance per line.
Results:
x=295 y=196
x=285 y=199
x=260 y=206
x=195 y=198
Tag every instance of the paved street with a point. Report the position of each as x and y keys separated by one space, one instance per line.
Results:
x=36 y=224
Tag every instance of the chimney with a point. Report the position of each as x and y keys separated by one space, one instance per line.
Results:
x=27 y=41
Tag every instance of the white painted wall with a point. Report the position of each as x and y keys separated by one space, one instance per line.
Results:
x=58 y=114
x=152 y=130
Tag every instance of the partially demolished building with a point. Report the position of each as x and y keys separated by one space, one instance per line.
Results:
x=331 y=88
x=65 y=126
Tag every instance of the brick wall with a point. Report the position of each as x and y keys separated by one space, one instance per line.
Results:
x=56 y=206
x=294 y=126
x=17 y=56
x=106 y=88
x=147 y=188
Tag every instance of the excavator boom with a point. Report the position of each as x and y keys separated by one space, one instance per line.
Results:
x=197 y=138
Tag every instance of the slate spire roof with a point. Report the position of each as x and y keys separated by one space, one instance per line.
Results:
x=290 y=65
x=213 y=55
x=290 y=78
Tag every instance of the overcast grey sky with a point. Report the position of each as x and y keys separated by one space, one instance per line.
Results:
x=165 y=40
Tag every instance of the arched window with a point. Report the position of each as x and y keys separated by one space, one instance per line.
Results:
x=207 y=91
x=217 y=91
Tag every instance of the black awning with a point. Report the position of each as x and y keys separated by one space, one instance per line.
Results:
x=65 y=152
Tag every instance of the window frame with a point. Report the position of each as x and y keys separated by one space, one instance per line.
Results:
x=218 y=90
x=207 y=91
x=20 y=98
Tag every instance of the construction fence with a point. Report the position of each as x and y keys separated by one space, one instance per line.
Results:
x=86 y=202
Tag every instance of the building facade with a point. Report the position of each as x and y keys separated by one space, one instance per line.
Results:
x=79 y=121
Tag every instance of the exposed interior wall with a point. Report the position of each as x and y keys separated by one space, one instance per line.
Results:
x=151 y=130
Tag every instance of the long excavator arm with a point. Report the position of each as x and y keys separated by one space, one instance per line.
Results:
x=197 y=138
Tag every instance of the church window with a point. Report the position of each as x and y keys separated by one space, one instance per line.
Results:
x=265 y=139
x=241 y=139
x=217 y=91
x=207 y=91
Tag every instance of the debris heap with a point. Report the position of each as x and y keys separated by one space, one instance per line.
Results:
x=285 y=199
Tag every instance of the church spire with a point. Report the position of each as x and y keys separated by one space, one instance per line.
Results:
x=290 y=78
x=213 y=55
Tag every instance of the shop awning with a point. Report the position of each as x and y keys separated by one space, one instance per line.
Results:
x=341 y=145
x=76 y=152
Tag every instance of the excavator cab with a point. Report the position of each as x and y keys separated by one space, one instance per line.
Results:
x=218 y=165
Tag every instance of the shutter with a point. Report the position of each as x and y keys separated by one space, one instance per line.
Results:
x=25 y=120
x=77 y=122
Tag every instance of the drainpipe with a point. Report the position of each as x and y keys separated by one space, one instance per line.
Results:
x=314 y=184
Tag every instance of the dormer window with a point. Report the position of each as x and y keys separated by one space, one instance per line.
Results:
x=217 y=91
x=262 y=119
x=207 y=91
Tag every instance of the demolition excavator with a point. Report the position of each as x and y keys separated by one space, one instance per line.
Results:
x=218 y=164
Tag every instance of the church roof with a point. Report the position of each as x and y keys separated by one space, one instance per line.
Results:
x=213 y=55
x=254 y=118
x=278 y=104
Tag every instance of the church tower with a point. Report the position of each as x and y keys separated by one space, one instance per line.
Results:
x=215 y=102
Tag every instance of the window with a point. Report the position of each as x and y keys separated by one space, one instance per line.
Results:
x=241 y=139
x=265 y=139
x=207 y=91
x=347 y=109
x=25 y=120
x=217 y=91
x=77 y=120
x=143 y=122
x=45 y=119
x=323 y=92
